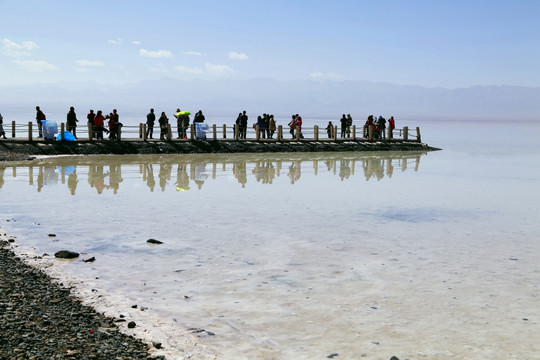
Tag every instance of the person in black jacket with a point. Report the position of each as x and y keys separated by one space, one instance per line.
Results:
x=150 y=119
x=72 y=121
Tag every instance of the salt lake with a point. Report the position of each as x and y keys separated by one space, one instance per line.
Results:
x=302 y=256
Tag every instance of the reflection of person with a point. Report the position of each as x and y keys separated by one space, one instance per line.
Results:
x=72 y=182
x=150 y=180
x=72 y=121
x=150 y=119
x=240 y=172
x=182 y=178
x=40 y=116
x=2 y=169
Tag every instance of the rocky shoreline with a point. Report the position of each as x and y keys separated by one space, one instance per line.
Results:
x=26 y=150
x=40 y=319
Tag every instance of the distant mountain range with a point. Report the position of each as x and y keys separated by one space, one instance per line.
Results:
x=282 y=98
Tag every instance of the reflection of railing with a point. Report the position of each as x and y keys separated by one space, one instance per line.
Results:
x=29 y=132
x=106 y=173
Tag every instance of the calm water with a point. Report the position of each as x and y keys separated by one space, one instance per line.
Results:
x=301 y=256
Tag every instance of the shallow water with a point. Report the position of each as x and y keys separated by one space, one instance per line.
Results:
x=301 y=256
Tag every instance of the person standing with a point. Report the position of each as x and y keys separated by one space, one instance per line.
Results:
x=343 y=126
x=150 y=119
x=163 y=125
x=349 y=124
x=72 y=121
x=40 y=116
x=99 y=123
x=330 y=130
x=271 y=127
x=243 y=124
x=392 y=126
x=2 y=132
x=91 y=121
x=382 y=127
x=199 y=117
x=298 y=124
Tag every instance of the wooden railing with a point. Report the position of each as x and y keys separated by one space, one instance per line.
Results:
x=227 y=132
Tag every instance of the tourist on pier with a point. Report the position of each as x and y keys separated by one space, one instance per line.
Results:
x=382 y=127
x=40 y=116
x=349 y=125
x=238 y=125
x=368 y=126
x=243 y=124
x=72 y=121
x=392 y=126
x=298 y=123
x=199 y=117
x=182 y=123
x=150 y=119
x=2 y=132
x=292 y=126
x=262 y=127
x=343 y=121
x=114 y=124
x=163 y=125
x=99 y=123
x=330 y=130
x=90 y=118
x=271 y=127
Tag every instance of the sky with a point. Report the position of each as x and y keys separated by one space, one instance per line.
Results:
x=443 y=43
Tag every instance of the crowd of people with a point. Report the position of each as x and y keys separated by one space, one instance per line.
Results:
x=265 y=124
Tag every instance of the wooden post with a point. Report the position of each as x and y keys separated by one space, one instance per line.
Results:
x=169 y=132
x=316 y=132
x=335 y=133
x=13 y=129
x=370 y=132
x=140 y=130
x=297 y=134
x=257 y=136
x=354 y=132
x=144 y=136
x=193 y=134
x=118 y=132
x=235 y=131
x=280 y=132
x=62 y=127
x=418 y=134
x=389 y=133
x=224 y=131
x=29 y=131
x=214 y=131
x=90 y=132
x=405 y=133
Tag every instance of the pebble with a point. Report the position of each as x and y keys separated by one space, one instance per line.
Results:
x=66 y=254
x=42 y=320
x=154 y=241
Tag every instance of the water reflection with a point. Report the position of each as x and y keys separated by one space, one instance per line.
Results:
x=188 y=172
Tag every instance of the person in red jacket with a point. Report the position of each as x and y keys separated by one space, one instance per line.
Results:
x=99 y=121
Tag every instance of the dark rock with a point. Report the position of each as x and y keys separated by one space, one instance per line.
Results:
x=66 y=254
x=157 y=345
x=331 y=356
x=394 y=358
x=131 y=324
x=11 y=240
x=91 y=260
x=154 y=241
x=52 y=235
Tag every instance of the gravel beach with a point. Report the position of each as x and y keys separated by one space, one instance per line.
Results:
x=41 y=320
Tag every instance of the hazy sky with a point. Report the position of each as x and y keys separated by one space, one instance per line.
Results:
x=448 y=43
